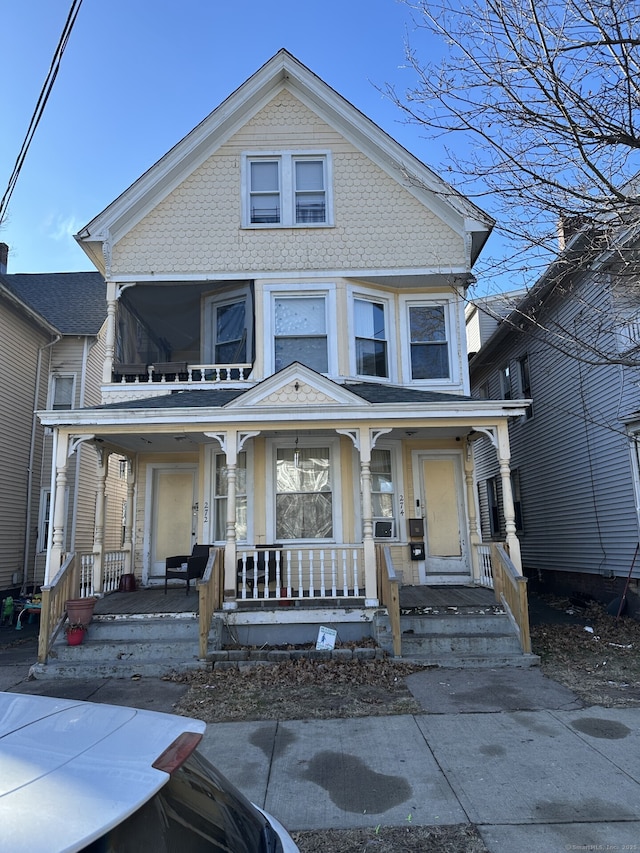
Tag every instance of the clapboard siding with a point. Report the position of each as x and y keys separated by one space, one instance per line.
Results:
x=20 y=341
x=572 y=455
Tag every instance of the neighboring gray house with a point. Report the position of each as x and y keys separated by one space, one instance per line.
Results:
x=51 y=354
x=570 y=344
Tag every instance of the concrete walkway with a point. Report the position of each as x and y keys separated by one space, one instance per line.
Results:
x=506 y=749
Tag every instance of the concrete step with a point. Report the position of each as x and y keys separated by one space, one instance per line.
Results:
x=121 y=647
x=455 y=624
x=55 y=669
x=462 y=638
x=145 y=628
x=435 y=645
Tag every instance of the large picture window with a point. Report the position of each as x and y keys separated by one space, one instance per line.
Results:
x=304 y=493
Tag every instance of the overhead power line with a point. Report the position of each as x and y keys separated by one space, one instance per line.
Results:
x=40 y=105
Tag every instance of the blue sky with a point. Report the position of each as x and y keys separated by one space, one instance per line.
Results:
x=137 y=75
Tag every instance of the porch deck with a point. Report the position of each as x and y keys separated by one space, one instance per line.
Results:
x=154 y=600
x=143 y=601
x=420 y=597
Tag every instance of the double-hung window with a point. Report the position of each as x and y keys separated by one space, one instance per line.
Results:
x=429 y=346
x=220 y=492
x=300 y=332
x=382 y=494
x=370 y=338
x=287 y=189
x=62 y=391
x=228 y=328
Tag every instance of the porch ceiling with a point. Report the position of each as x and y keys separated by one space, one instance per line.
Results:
x=185 y=442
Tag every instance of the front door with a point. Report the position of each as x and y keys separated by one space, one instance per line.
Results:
x=439 y=483
x=174 y=515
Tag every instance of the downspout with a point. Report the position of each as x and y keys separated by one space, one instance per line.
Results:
x=32 y=444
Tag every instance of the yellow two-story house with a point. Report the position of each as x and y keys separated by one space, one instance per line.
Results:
x=286 y=362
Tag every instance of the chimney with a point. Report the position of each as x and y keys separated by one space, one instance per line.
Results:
x=4 y=258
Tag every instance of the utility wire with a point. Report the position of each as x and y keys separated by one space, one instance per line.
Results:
x=39 y=109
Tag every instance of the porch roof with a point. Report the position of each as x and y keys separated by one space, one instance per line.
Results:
x=371 y=392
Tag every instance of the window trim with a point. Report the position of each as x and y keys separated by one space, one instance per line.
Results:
x=408 y=302
x=273 y=445
x=299 y=289
x=524 y=383
x=286 y=159
x=397 y=474
x=506 y=385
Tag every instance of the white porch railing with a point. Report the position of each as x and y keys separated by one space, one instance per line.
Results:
x=300 y=574
x=113 y=567
x=485 y=571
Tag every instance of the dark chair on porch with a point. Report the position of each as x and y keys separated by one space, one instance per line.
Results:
x=185 y=567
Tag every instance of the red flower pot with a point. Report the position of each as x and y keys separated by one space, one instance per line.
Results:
x=75 y=636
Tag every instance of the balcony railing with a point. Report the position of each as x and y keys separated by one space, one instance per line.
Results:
x=180 y=372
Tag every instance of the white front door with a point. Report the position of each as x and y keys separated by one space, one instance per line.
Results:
x=174 y=514
x=439 y=484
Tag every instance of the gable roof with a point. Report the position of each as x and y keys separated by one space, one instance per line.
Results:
x=283 y=71
x=74 y=303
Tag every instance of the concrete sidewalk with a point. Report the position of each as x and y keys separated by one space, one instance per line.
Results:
x=506 y=749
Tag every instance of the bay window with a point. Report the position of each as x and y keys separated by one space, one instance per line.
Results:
x=370 y=338
x=300 y=332
x=429 y=347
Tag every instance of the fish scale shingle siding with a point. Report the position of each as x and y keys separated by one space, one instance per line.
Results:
x=378 y=223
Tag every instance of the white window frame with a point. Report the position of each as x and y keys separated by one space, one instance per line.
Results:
x=273 y=292
x=437 y=300
x=211 y=304
x=52 y=390
x=286 y=160
x=208 y=515
x=390 y=326
x=273 y=444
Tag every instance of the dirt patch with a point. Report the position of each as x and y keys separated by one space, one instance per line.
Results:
x=393 y=839
x=299 y=690
x=597 y=657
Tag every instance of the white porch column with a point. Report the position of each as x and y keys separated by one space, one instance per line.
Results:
x=128 y=521
x=98 y=532
x=474 y=531
x=370 y=581
x=504 y=456
x=55 y=545
x=230 y=552
x=110 y=331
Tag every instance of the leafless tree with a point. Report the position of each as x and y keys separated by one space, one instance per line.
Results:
x=538 y=103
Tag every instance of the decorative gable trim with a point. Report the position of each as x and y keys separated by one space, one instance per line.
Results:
x=283 y=71
x=297 y=385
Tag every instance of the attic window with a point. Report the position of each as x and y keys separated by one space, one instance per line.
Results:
x=286 y=189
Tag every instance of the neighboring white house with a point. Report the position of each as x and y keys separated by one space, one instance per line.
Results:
x=285 y=358
x=572 y=345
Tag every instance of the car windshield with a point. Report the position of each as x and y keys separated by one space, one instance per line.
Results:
x=197 y=810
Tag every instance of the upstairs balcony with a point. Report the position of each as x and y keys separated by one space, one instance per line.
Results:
x=176 y=336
